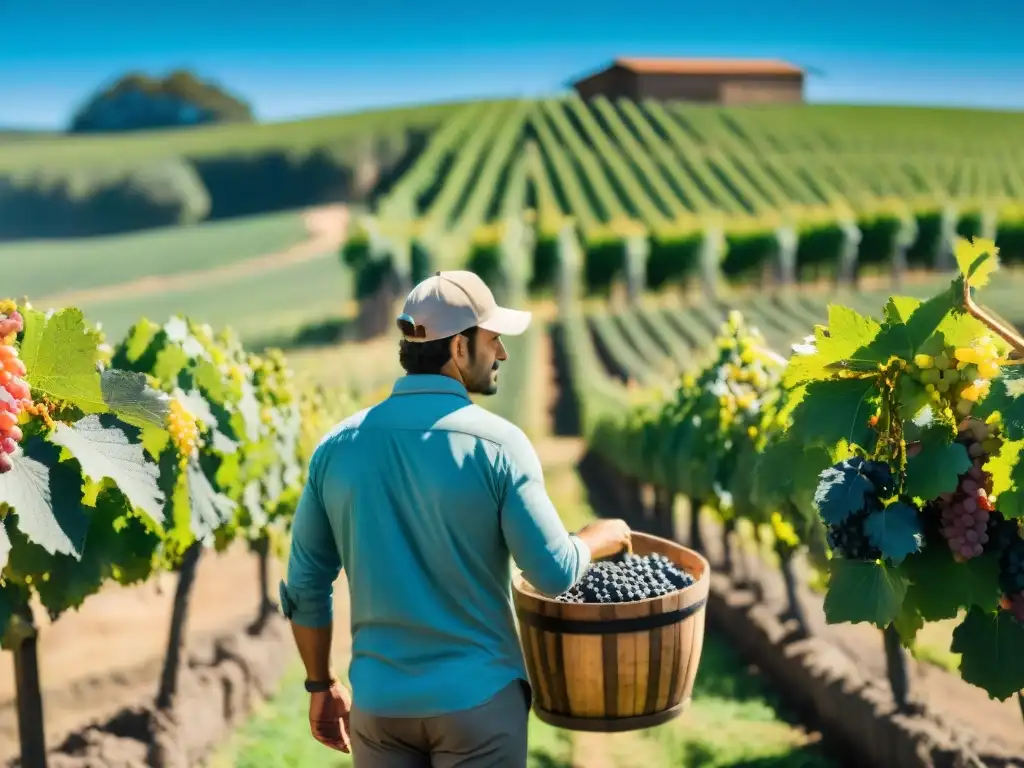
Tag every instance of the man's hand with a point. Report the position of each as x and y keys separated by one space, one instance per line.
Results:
x=328 y=717
x=606 y=538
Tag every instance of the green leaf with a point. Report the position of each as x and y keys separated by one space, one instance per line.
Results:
x=104 y=450
x=976 y=267
x=46 y=497
x=1007 y=471
x=863 y=591
x=905 y=339
x=128 y=394
x=847 y=331
x=990 y=646
x=1006 y=396
x=941 y=587
x=836 y=410
x=898 y=309
x=909 y=621
x=210 y=509
x=841 y=491
x=61 y=359
x=936 y=470
x=5 y=549
x=170 y=361
x=12 y=598
x=895 y=530
x=121 y=547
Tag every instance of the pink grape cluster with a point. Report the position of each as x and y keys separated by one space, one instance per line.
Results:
x=965 y=512
x=17 y=393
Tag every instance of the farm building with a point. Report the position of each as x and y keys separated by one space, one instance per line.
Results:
x=710 y=81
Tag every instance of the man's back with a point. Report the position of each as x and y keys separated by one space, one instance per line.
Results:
x=424 y=496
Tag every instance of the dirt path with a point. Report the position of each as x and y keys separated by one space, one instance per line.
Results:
x=326 y=226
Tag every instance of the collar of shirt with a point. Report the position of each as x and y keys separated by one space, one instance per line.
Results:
x=429 y=384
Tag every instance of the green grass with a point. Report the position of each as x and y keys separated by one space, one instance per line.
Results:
x=40 y=268
x=277 y=734
x=256 y=306
x=734 y=720
x=65 y=152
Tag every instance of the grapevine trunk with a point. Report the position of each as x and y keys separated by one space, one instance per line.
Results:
x=179 y=616
x=727 y=531
x=31 y=732
x=696 y=541
x=896 y=667
x=794 y=610
x=267 y=605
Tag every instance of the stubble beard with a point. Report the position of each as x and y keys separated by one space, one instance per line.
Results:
x=485 y=383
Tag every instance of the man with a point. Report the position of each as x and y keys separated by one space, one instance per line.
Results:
x=422 y=499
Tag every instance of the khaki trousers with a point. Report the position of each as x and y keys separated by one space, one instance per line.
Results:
x=491 y=735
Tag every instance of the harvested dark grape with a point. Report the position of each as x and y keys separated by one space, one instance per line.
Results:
x=628 y=579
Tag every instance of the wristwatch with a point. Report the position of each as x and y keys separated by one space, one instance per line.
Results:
x=319 y=686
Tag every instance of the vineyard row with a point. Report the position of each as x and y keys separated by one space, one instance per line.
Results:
x=673 y=172
x=889 y=449
x=127 y=460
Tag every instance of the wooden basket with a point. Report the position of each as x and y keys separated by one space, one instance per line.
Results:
x=618 y=666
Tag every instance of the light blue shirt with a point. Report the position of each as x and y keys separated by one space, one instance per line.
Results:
x=422 y=499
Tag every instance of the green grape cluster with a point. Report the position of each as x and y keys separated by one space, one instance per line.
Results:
x=958 y=376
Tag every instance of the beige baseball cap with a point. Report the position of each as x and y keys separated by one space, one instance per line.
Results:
x=450 y=302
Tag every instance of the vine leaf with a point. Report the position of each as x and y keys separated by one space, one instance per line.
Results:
x=936 y=470
x=977 y=261
x=832 y=411
x=941 y=587
x=909 y=621
x=128 y=394
x=1006 y=396
x=118 y=544
x=989 y=644
x=46 y=496
x=847 y=331
x=895 y=530
x=907 y=336
x=864 y=591
x=5 y=550
x=1007 y=471
x=61 y=359
x=104 y=450
x=842 y=490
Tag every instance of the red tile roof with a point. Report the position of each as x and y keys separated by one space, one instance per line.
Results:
x=708 y=66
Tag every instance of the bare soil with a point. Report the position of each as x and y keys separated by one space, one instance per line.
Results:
x=326 y=226
x=107 y=655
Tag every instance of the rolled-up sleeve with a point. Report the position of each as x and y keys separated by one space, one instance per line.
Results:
x=313 y=562
x=551 y=558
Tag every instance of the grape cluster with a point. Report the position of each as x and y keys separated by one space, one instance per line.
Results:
x=184 y=430
x=17 y=394
x=848 y=539
x=965 y=514
x=627 y=580
x=1011 y=578
x=959 y=375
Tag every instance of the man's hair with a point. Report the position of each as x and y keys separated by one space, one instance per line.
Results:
x=429 y=357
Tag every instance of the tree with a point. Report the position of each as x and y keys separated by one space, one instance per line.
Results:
x=139 y=102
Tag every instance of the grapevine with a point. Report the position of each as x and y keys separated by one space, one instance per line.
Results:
x=922 y=417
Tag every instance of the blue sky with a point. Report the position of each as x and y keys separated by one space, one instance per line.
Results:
x=293 y=58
